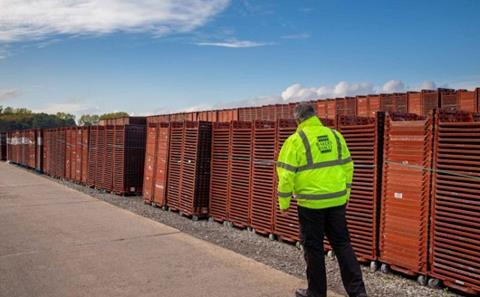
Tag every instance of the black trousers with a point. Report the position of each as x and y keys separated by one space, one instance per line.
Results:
x=314 y=225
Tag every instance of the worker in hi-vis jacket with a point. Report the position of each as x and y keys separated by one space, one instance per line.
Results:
x=315 y=168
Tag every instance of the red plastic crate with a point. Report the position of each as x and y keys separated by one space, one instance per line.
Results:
x=175 y=165
x=404 y=222
x=285 y=227
x=364 y=137
x=92 y=156
x=220 y=171
x=455 y=231
x=240 y=174
x=263 y=172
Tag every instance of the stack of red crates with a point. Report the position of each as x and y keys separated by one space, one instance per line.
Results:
x=422 y=103
x=46 y=148
x=56 y=152
x=467 y=101
x=32 y=143
x=161 y=165
x=100 y=159
x=455 y=232
x=404 y=221
x=219 y=181
x=108 y=167
x=364 y=137
x=75 y=151
x=149 y=168
x=128 y=159
x=69 y=147
x=363 y=106
x=92 y=156
x=82 y=154
x=189 y=169
x=196 y=169
x=240 y=174
x=346 y=106
x=395 y=102
x=3 y=146
x=263 y=172
x=156 y=164
x=175 y=165
x=285 y=227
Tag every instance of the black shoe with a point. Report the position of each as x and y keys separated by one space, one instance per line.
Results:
x=362 y=295
x=301 y=293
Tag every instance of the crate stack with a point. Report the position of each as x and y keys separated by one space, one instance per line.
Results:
x=220 y=173
x=92 y=156
x=467 y=101
x=54 y=155
x=128 y=159
x=422 y=103
x=101 y=145
x=161 y=165
x=175 y=165
x=394 y=102
x=45 y=153
x=196 y=155
x=285 y=227
x=22 y=147
x=364 y=136
x=263 y=175
x=240 y=174
x=31 y=137
x=156 y=164
x=455 y=232
x=108 y=167
x=3 y=146
x=82 y=156
x=150 y=161
x=75 y=151
x=363 y=106
x=10 y=143
x=405 y=211
x=346 y=106
x=69 y=147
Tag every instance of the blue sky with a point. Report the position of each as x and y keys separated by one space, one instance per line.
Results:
x=149 y=57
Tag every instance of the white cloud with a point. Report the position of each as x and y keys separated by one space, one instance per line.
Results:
x=233 y=43
x=25 y=19
x=393 y=86
x=297 y=92
x=8 y=94
x=428 y=85
x=297 y=36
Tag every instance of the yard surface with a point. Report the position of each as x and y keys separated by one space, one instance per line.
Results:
x=56 y=241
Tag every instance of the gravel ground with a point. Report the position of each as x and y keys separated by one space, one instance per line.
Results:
x=282 y=256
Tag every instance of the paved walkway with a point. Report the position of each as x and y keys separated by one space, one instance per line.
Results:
x=55 y=241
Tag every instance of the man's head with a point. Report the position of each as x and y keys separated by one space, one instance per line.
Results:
x=303 y=111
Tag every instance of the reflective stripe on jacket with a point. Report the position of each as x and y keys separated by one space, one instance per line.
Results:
x=315 y=166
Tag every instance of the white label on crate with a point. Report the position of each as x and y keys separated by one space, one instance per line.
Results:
x=398 y=195
x=459 y=282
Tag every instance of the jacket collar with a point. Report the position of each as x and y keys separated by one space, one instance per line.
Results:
x=310 y=122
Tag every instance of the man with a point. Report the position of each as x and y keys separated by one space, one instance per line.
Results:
x=316 y=168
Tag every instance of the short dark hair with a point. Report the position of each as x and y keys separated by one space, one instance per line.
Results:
x=303 y=111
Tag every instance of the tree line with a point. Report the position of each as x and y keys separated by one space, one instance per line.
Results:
x=23 y=118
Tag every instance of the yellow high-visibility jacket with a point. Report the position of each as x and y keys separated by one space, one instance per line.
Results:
x=314 y=166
